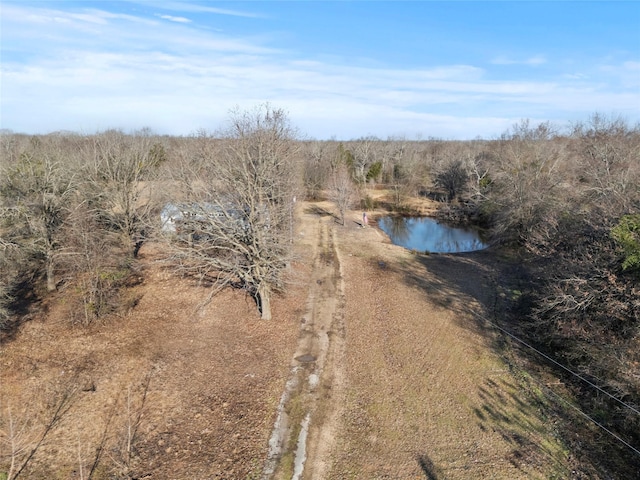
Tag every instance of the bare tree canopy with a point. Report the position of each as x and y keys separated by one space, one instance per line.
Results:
x=341 y=190
x=35 y=193
x=235 y=223
x=120 y=170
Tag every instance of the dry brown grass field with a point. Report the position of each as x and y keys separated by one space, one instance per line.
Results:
x=413 y=384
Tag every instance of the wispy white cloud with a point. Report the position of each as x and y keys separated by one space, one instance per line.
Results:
x=575 y=76
x=48 y=16
x=174 y=19
x=196 y=8
x=97 y=31
x=626 y=74
x=180 y=94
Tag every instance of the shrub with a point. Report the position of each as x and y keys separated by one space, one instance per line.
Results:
x=627 y=234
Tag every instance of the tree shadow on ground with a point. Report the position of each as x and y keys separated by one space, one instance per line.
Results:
x=317 y=210
x=477 y=283
x=477 y=288
x=488 y=289
x=25 y=306
x=431 y=472
x=518 y=415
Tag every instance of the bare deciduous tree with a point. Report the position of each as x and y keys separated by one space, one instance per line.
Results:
x=316 y=169
x=453 y=178
x=238 y=211
x=341 y=190
x=364 y=154
x=35 y=192
x=527 y=186
x=96 y=263
x=9 y=277
x=608 y=160
x=121 y=171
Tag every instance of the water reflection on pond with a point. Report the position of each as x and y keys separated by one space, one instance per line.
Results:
x=426 y=234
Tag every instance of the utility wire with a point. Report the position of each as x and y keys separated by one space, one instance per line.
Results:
x=600 y=389
x=614 y=435
x=594 y=421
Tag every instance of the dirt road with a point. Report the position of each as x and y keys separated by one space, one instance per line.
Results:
x=310 y=404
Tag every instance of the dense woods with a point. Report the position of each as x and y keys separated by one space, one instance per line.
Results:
x=562 y=201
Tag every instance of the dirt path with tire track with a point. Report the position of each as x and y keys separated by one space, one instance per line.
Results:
x=310 y=405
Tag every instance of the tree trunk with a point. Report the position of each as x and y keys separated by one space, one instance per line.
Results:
x=51 y=277
x=264 y=301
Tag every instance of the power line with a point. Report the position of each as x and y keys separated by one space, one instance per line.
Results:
x=614 y=435
x=600 y=389
x=594 y=421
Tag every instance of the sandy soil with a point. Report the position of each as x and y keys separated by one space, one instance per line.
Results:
x=378 y=364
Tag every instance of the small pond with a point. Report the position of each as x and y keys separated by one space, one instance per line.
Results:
x=426 y=234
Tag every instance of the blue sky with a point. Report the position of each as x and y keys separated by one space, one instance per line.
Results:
x=451 y=70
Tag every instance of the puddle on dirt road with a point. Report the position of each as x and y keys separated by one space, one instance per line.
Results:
x=306 y=358
x=301 y=451
x=425 y=234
